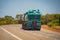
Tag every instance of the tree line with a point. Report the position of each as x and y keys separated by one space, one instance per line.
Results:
x=8 y=20
x=52 y=20
x=48 y=19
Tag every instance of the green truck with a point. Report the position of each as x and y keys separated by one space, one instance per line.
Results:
x=32 y=20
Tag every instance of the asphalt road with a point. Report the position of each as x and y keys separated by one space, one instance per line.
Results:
x=15 y=32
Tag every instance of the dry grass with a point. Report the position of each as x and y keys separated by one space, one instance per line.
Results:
x=50 y=28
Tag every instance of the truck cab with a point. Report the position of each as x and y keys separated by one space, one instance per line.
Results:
x=33 y=20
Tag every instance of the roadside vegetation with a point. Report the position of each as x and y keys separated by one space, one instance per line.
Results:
x=52 y=20
x=8 y=20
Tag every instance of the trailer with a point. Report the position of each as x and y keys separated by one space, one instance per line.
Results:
x=32 y=20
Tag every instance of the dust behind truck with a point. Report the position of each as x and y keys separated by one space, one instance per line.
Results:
x=32 y=20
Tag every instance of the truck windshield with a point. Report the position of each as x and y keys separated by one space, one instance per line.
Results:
x=33 y=16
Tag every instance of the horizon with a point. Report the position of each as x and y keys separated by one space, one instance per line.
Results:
x=13 y=7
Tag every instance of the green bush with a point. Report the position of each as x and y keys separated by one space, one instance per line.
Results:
x=42 y=22
x=16 y=22
x=2 y=22
x=49 y=24
x=53 y=23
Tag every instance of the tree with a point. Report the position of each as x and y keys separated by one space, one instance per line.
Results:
x=9 y=19
x=6 y=20
x=19 y=17
x=50 y=19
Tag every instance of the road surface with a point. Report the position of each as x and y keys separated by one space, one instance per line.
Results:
x=15 y=32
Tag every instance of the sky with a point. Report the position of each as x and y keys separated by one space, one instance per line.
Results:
x=13 y=7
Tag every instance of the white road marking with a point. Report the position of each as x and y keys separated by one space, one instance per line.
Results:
x=11 y=34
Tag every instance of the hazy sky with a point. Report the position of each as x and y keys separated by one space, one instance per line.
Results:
x=13 y=7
